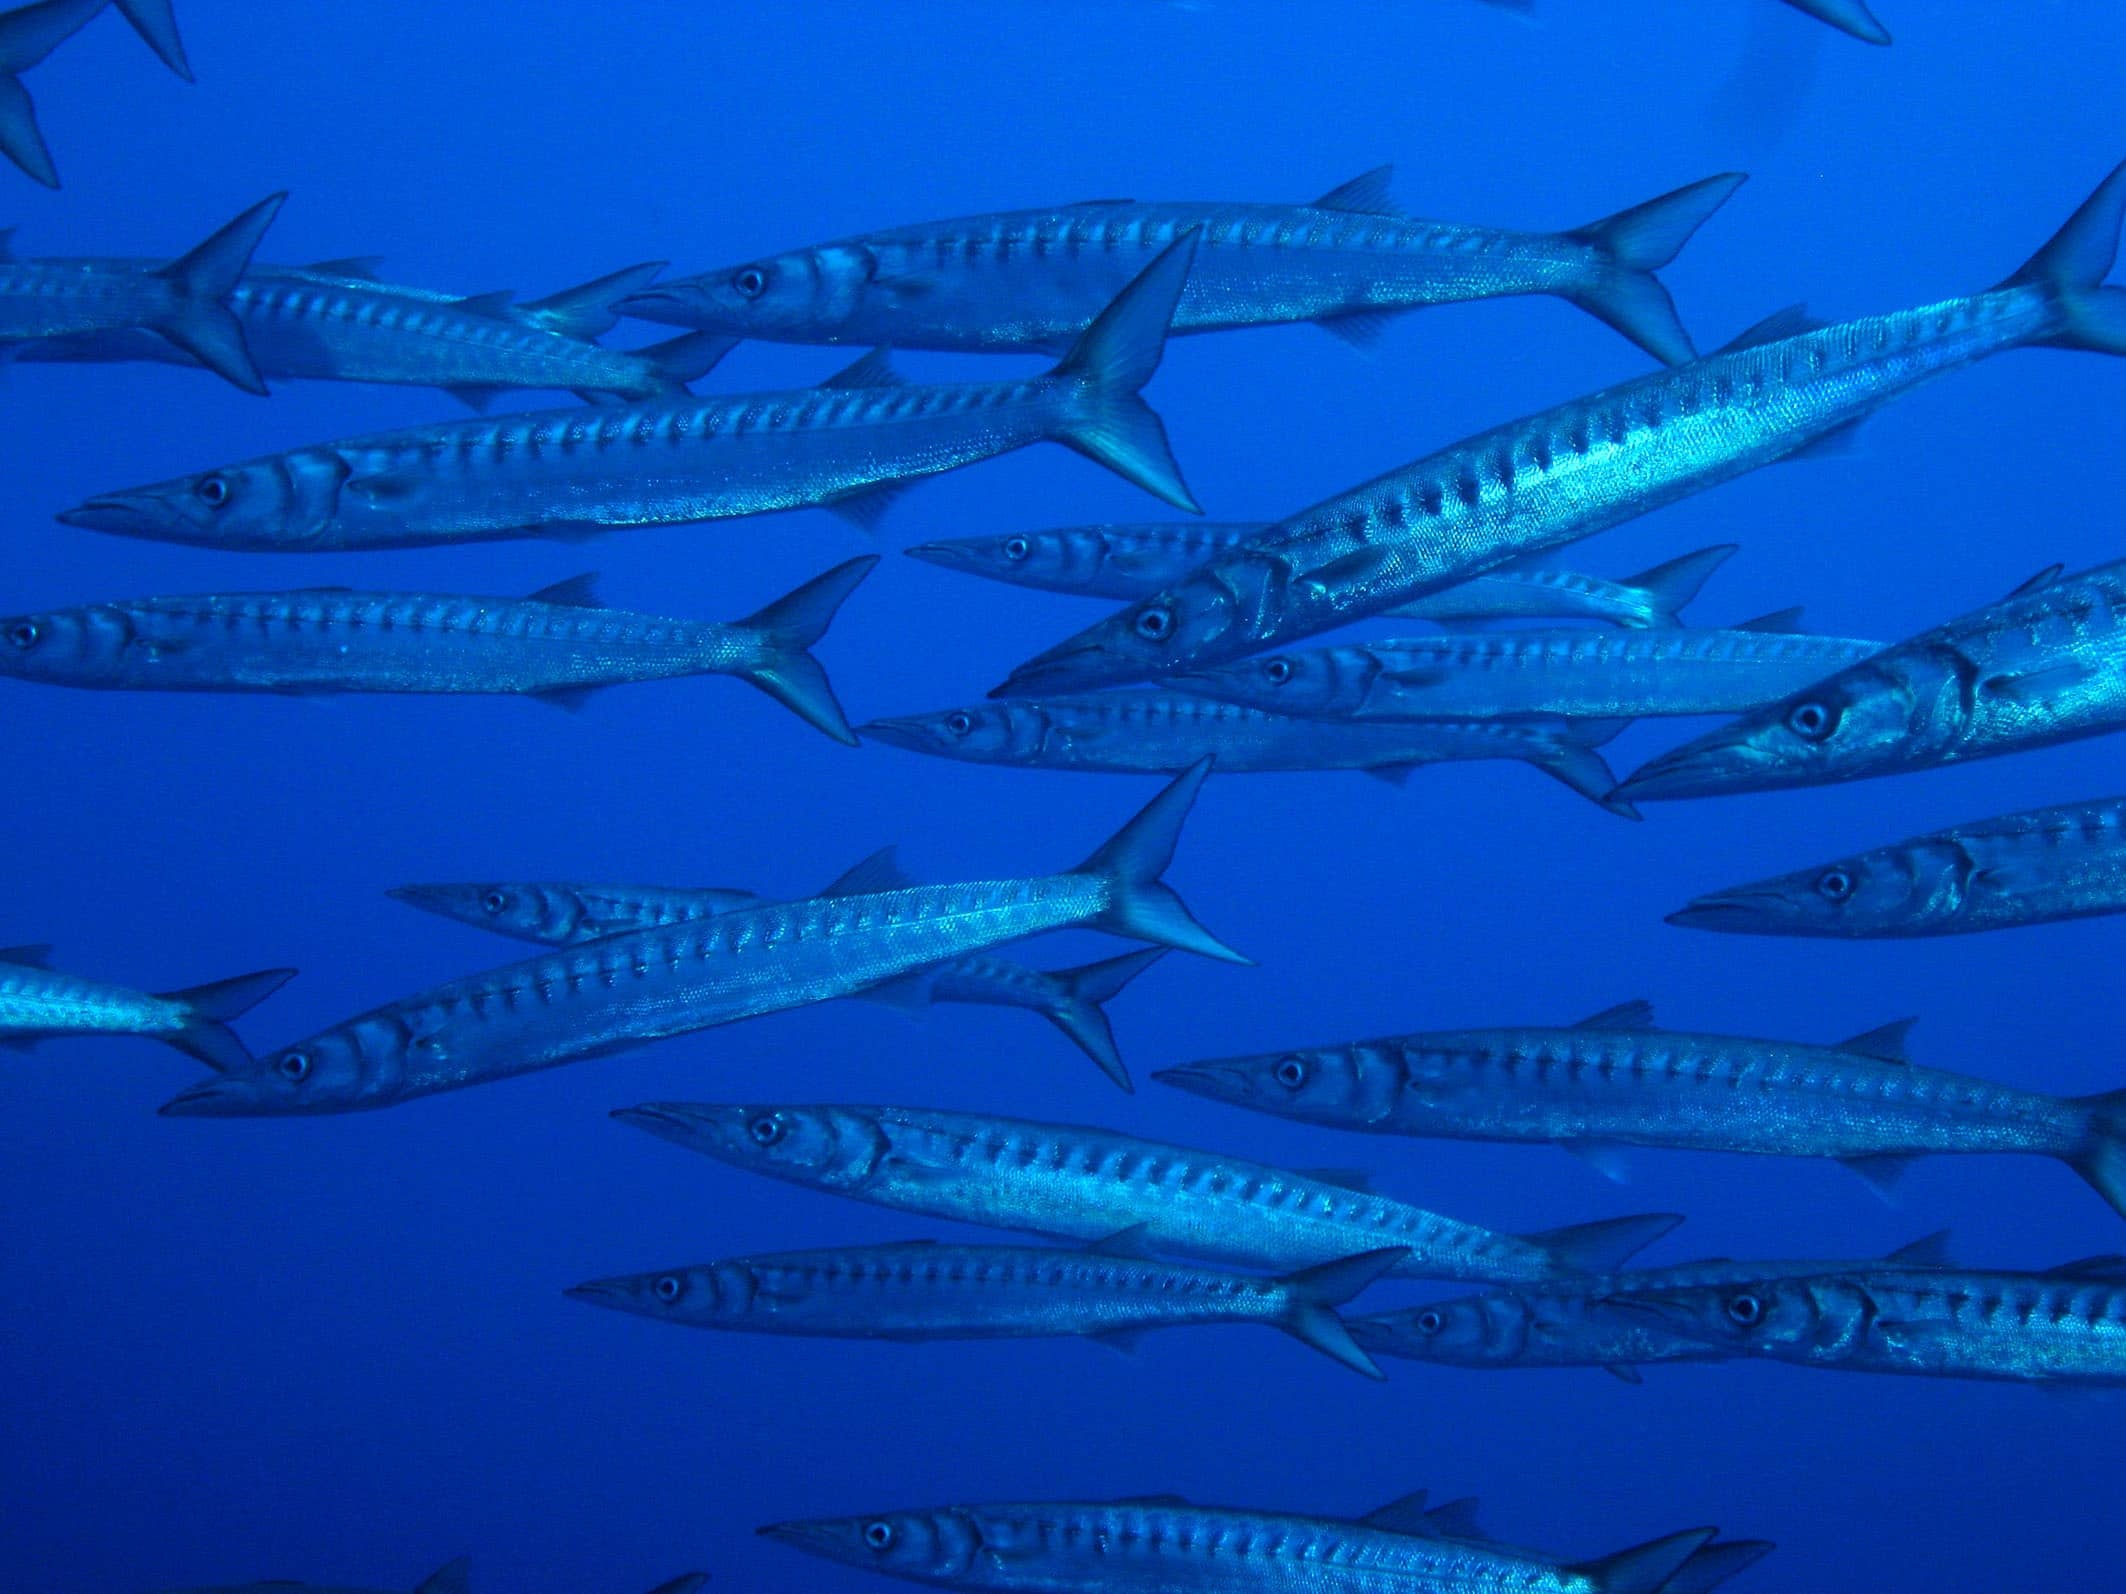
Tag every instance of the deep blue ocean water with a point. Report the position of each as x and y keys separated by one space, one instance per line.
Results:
x=337 y=1349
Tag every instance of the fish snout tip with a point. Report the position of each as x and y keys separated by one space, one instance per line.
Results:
x=110 y=514
x=203 y=1100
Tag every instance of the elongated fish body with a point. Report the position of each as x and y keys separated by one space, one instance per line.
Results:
x=1617 y=1081
x=454 y=1578
x=2066 y=1326
x=1168 y=1546
x=2067 y=862
x=1157 y=732
x=2045 y=665
x=1032 y=279
x=1131 y=561
x=316 y=325
x=37 y=1003
x=559 y=473
x=1061 y=1179
x=1591 y=464
x=622 y=991
x=1579 y=674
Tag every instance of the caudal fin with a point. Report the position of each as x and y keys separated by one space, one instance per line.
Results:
x=1569 y=756
x=1847 y=16
x=200 y=321
x=1647 y=1568
x=1316 y=1293
x=1713 y=1565
x=1632 y=246
x=156 y=23
x=2103 y=1159
x=1112 y=361
x=2072 y=268
x=1079 y=1013
x=206 y=1036
x=20 y=140
x=1670 y=586
x=1603 y=1247
x=792 y=624
x=1140 y=904
x=586 y=310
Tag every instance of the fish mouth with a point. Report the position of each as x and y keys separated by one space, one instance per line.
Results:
x=212 y=1098
x=1066 y=667
x=1742 y=911
x=1219 y=1081
x=599 y=1292
x=819 y=1538
x=940 y=553
x=671 y=1120
x=119 y=514
x=674 y=306
x=907 y=732
x=1696 y=769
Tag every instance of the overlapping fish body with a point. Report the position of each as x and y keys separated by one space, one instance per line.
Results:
x=37 y=1004
x=1168 y=1546
x=1068 y=1180
x=1155 y=732
x=924 y=1291
x=1616 y=1080
x=557 y=473
x=558 y=644
x=2045 y=665
x=1031 y=279
x=620 y=992
x=334 y=322
x=1130 y=561
x=1579 y=674
x=2065 y=862
x=2067 y=1326
x=1591 y=464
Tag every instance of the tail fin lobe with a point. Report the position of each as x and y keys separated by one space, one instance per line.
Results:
x=1645 y=1568
x=1671 y=586
x=200 y=321
x=1318 y=1291
x=1080 y=1015
x=2073 y=265
x=2102 y=1160
x=1636 y=243
x=788 y=628
x=586 y=310
x=1141 y=905
x=206 y=1036
x=1605 y=1246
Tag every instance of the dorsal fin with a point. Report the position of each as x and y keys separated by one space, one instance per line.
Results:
x=577 y=592
x=1364 y=195
x=1457 y=1518
x=2090 y=1267
x=1929 y=1250
x=1353 y=1179
x=879 y=872
x=1129 y=1242
x=1885 y=1043
x=1406 y=1515
x=1780 y=324
x=28 y=957
x=1780 y=622
x=496 y=305
x=1625 y=1015
x=363 y=268
x=875 y=369
x=2049 y=576
x=455 y=1578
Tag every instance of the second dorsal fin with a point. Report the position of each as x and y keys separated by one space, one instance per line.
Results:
x=879 y=872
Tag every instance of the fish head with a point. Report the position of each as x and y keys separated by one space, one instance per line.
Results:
x=1024 y=558
x=287 y=501
x=1745 y=1317
x=1224 y=611
x=328 y=1073
x=985 y=733
x=933 y=1546
x=1894 y=890
x=1487 y=1330
x=66 y=646
x=547 y=914
x=835 y=1148
x=1329 y=1084
x=683 y=1294
x=802 y=296
x=1315 y=681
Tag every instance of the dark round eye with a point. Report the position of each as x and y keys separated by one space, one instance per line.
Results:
x=1155 y=625
x=1277 y=671
x=1746 y=1310
x=1430 y=1322
x=495 y=901
x=751 y=282
x=1836 y=884
x=213 y=491
x=1017 y=547
x=1811 y=721
x=959 y=722
x=765 y=1131
x=1290 y=1073
x=294 y=1067
x=24 y=634
x=669 y=1288
x=879 y=1535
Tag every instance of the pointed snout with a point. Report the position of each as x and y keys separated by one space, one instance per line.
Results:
x=671 y=1120
x=1739 y=912
x=949 y=554
x=905 y=732
x=599 y=1292
x=1219 y=1081
x=120 y=514
x=210 y=1098
x=1067 y=667
x=1696 y=769
x=675 y=304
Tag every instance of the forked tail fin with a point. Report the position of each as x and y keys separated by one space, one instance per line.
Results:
x=1140 y=904
x=787 y=628
x=1112 y=361
x=1080 y=1016
x=1632 y=246
x=2073 y=265
x=156 y=23
x=206 y=1036
x=1671 y=586
x=199 y=320
x=1569 y=755
x=1316 y=1293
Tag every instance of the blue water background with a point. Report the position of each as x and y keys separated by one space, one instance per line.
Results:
x=337 y=1350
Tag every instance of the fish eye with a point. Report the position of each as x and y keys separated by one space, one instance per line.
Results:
x=1835 y=884
x=1290 y=1073
x=213 y=491
x=1811 y=721
x=1156 y=625
x=24 y=634
x=750 y=281
x=879 y=1535
x=765 y=1130
x=294 y=1067
x=1430 y=1322
x=669 y=1288
x=1277 y=671
x=1746 y=1310
x=959 y=722
x=1017 y=548
x=495 y=901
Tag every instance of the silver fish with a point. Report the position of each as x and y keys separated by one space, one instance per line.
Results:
x=37 y=1004
x=2047 y=664
x=1539 y=483
x=920 y=1290
x=1031 y=279
x=454 y=1578
x=1157 y=732
x=620 y=992
x=1615 y=1080
x=849 y=445
x=2067 y=862
x=30 y=33
x=558 y=644
x=1070 y=1181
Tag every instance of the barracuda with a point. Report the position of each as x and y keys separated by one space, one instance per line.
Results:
x=2067 y=862
x=558 y=644
x=1616 y=1081
x=1594 y=463
x=455 y=1578
x=558 y=914
x=620 y=992
x=336 y=322
x=1159 y=732
x=919 y=1290
x=1133 y=561
x=2067 y=1326
x=37 y=1004
x=561 y=473
x=30 y=33
x=2045 y=665
x=1575 y=674
x=1079 y=1183
x=1032 y=279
